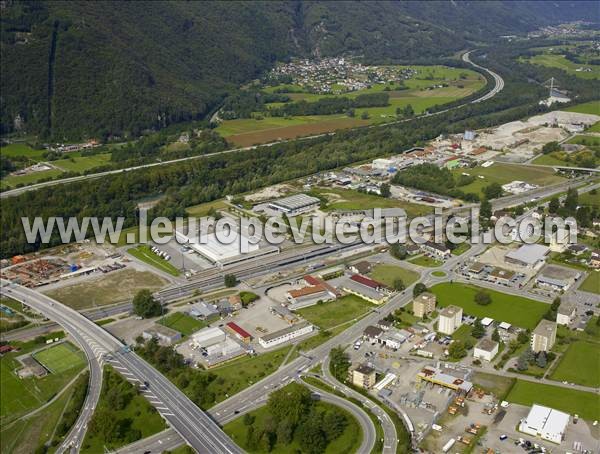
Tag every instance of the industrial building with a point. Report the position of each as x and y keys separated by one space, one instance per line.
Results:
x=295 y=204
x=366 y=288
x=208 y=336
x=424 y=304
x=284 y=335
x=528 y=255
x=438 y=377
x=239 y=332
x=485 y=349
x=546 y=423
x=242 y=248
x=543 y=336
x=203 y=310
x=364 y=376
x=163 y=334
x=557 y=278
x=450 y=319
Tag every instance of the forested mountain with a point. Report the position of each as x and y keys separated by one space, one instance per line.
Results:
x=76 y=69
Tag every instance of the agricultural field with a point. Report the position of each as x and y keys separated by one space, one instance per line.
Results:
x=14 y=150
x=594 y=128
x=418 y=92
x=13 y=181
x=145 y=254
x=505 y=173
x=111 y=288
x=80 y=164
x=561 y=158
x=582 y=139
x=348 y=199
x=591 y=107
x=591 y=283
x=25 y=436
x=516 y=310
x=579 y=364
x=590 y=199
x=181 y=322
x=387 y=274
x=560 y=62
x=333 y=313
x=60 y=358
x=204 y=208
x=585 y=404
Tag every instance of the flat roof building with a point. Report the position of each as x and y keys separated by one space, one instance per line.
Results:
x=557 y=277
x=163 y=334
x=485 y=349
x=284 y=335
x=546 y=423
x=424 y=304
x=208 y=336
x=528 y=255
x=295 y=204
x=364 y=376
x=450 y=319
x=566 y=313
x=543 y=336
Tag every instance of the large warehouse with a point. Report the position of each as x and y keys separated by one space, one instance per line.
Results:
x=295 y=204
x=219 y=253
x=545 y=423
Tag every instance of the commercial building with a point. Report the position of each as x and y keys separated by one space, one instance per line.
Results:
x=163 y=334
x=284 y=313
x=364 y=376
x=362 y=267
x=307 y=296
x=546 y=423
x=595 y=259
x=295 y=204
x=424 y=304
x=557 y=278
x=528 y=255
x=208 y=336
x=393 y=338
x=485 y=349
x=239 y=332
x=543 y=336
x=242 y=247
x=566 y=313
x=450 y=319
x=502 y=276
x=284 y=335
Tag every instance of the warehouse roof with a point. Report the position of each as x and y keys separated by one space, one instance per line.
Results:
x=529 y=254
x=295 y=202
x=486 y=344
x=284 y=331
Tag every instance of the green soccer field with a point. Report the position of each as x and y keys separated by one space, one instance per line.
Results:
x=181 y=322
x=333 y=313
x=60 y=358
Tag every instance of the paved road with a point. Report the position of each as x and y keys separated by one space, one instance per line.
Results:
x=199 y=430
x=498 y=86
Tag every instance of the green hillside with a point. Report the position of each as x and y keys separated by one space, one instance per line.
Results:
x=78 y=69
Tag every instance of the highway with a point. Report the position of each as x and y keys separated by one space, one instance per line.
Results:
x=192 y=424
x=498 y=86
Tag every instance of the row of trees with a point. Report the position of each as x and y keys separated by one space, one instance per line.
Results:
x=330 y=105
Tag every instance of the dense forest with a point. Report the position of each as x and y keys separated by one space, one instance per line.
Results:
x=79 y=69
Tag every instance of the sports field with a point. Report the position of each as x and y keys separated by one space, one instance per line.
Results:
x=181 y=322
x=387 y=274
x=516 y=310
x=505 y=173
x=60 y=358
x=145 y=254
x=585 y=404
x=333 y=313
x=579 y=364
